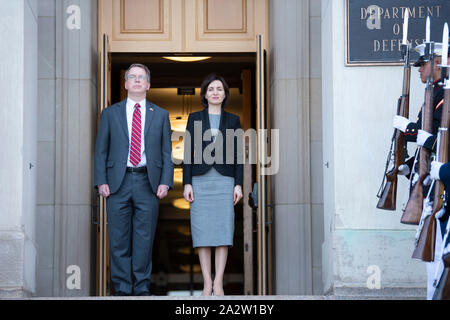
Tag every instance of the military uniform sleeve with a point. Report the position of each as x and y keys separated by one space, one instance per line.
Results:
x=430 y=143
x=411 y=132
x=412 y=129
x=444 y=174
x=437 y=116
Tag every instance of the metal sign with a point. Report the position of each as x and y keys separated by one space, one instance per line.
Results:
x=186 y=91
x=374 y=28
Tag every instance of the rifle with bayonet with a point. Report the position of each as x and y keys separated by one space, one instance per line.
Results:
x=425 y=245
x=442 y=281
x=387 y=193
x=414 y=206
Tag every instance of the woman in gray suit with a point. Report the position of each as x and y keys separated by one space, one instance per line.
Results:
x=212 y=184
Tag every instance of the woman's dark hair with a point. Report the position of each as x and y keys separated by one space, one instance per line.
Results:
x=204 y=87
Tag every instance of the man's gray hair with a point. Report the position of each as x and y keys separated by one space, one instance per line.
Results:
x=139 y=65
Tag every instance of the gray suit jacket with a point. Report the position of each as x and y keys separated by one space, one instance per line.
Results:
x=112 y=145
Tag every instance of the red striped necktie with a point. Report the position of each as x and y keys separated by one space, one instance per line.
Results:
x=136 y=132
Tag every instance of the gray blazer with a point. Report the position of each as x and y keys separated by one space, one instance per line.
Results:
x=112 y=145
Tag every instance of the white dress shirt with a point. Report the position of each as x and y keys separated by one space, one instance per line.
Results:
x=130 y=111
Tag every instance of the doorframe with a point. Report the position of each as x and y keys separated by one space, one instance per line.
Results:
x=264 y=282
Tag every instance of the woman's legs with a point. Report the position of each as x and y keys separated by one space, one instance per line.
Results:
x=221 y=254
x=221 y=260
x=204 y=254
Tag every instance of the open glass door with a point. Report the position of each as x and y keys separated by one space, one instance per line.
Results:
x=248 y=209
x=102 y=234
x=264 y=215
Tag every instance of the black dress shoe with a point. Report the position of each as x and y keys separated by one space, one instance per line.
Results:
x=142 y=294
x=120 y=293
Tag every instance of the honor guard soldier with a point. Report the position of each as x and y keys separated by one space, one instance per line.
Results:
x=441 y=282
x=412 y=130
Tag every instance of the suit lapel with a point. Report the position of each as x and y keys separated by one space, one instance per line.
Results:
x=149 y=115
x=222 y=120
x=205 y=121
x=123 y=116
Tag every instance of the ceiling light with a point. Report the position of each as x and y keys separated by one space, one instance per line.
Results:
x=187 y=59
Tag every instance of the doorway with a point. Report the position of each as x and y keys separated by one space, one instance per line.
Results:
x=175 y=86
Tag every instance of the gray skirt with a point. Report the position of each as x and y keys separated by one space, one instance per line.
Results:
x=212 y=212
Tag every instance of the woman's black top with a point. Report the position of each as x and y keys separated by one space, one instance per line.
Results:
x=195 y=163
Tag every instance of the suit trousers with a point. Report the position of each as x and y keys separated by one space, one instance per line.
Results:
x=132 y=214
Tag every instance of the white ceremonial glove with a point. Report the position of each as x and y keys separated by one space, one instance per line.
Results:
x=435 y=167
x=422 y=136
x=427 y=181
x=400 y=123
x=403 y=170
x=440 y=213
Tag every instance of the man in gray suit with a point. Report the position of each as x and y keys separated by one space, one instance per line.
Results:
x=133 y=170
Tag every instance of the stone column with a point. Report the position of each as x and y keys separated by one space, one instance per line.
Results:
x=315 y=107
x=290 y=95
x=76 y=105
x=46 y=137
x=18 y=123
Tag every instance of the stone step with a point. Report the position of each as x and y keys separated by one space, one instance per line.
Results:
x=236 y=298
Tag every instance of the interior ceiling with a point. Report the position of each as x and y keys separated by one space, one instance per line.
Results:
x=172 y=74
x=158 y=58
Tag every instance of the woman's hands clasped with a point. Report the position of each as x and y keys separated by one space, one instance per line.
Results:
x=188 y=193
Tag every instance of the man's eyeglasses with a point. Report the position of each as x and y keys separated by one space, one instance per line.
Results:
x=133 y=77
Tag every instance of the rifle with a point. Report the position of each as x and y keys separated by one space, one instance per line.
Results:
x=388 y=189
x=426 y=242
x=442 y=291
x=414 y=206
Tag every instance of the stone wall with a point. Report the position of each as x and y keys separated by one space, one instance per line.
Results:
x=18 y=129
x=67 y=118
x=358 y=106
x=295 y=89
